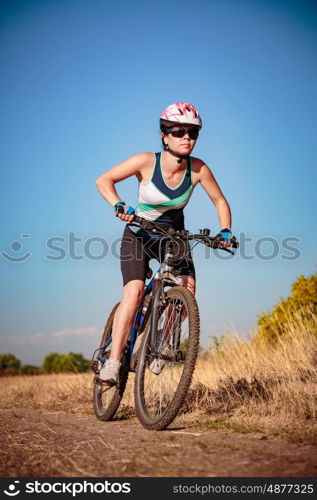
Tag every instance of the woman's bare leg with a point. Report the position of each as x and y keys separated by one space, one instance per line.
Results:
x=189 y=283
x=124 y=316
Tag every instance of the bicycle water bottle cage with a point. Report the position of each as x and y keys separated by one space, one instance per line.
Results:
x=149 y=273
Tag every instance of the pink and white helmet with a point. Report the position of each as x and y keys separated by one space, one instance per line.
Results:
x=180 y=113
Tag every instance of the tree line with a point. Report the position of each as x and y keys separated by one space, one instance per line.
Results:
x=53 y=363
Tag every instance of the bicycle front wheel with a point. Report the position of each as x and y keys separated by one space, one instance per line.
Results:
x=164 y=372
x=107 y=398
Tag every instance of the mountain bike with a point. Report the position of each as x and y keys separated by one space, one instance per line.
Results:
x=164 y=340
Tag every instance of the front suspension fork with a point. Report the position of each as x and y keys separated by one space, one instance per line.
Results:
x=159 y=298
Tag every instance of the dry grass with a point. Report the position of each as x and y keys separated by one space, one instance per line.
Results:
x=68 y=392
x=253 y=386
x=247 y=386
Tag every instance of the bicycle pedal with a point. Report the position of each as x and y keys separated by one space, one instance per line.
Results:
x=167 y=357
x=94 y=367
x=105 y=384
x=172 y=356
x=180 y=356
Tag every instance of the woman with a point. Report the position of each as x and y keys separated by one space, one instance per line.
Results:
x=166 y=181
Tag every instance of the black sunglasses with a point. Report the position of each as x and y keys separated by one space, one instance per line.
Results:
x=181 y=132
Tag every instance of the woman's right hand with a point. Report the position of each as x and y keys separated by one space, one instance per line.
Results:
x=126 y=218
x=124 y=212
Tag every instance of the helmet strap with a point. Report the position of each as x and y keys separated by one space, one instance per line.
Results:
x=181 y=157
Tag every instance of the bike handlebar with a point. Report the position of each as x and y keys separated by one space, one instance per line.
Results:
x=203 y=236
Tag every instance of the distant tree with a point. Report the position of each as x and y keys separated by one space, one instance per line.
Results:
x=59 y=363
x=9 y=364
x=63 y=363
x=30 y=370
x=48 y=362
x=303 y=300
x=80 y=364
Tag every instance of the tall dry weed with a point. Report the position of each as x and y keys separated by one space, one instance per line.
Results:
x=262 y=386
x=56 y=392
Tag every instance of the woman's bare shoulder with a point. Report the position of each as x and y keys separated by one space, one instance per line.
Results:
x=197 y=163
x=198 y=166
x=146 y=161
x=141 y=163
x=143 y=158
x=134 y=165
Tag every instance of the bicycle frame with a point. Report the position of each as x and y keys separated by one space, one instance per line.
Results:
x=156 y=288
x=139 y=319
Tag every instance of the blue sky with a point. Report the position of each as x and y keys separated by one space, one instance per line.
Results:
x=82 y=86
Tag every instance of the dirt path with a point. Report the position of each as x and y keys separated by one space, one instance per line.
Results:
x=41 y=443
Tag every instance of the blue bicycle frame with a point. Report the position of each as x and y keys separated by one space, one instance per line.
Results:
x=139 y=318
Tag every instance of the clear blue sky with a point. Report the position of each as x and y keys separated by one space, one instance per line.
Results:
x=82 y=86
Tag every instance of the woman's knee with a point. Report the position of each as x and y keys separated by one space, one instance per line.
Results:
x=133 y=293
x=190 y=283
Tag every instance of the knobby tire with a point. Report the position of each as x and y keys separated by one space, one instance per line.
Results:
x=107 y=412
x=162 y=421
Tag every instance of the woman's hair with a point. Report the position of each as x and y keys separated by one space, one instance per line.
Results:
x=163 y=130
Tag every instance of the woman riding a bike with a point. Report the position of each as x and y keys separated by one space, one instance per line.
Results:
x=166 y=182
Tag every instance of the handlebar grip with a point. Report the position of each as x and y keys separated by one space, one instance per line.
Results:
x=119 y=209
x=215 y=243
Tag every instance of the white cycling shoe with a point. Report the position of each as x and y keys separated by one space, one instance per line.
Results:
x=109 y=373
x=157 y=365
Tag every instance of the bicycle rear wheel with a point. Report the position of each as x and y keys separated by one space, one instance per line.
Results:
x=107 y=398
x=163 y=377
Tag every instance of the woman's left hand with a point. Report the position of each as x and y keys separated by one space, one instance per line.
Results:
x=226 y=236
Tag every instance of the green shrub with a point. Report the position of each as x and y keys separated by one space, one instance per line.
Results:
x=30 y=370
x=9 y=364
x=59 y=363
x=302 y=303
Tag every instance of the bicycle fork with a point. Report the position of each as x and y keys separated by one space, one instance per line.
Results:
x=158 y=300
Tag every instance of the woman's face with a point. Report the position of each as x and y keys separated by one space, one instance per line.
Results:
x=181 y=145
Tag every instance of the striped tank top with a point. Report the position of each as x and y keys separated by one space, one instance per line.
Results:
x=160 y=203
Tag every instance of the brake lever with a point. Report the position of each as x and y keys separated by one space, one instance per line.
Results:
x=226 y=250
x=215 y=244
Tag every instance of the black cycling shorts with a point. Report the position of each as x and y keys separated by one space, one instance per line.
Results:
x=136 y=252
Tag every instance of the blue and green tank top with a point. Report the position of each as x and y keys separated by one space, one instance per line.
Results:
x=159 y=202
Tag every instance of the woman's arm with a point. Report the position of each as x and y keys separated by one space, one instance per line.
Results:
x=132 y=166
x=214 y=192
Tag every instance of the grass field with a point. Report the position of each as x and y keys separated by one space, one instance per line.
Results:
x=244 y=386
